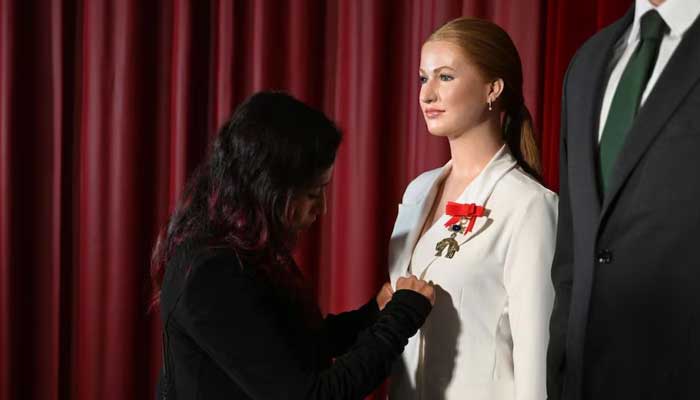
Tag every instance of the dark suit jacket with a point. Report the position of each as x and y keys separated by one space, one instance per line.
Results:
x=626 y=319
x=229 y=335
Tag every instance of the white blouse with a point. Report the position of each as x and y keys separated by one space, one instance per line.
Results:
x=486 y=337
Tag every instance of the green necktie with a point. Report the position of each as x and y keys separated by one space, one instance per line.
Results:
x=629 y=91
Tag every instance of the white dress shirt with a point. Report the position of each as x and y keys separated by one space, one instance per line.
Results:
x=678 y=15
x=486 y=337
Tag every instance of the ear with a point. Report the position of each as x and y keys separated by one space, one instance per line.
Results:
x=495 y=89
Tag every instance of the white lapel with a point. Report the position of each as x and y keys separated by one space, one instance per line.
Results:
x=409 y=223
x=478 y=192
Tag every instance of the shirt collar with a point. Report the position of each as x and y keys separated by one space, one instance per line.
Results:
x=678 y=15
x=480 y=189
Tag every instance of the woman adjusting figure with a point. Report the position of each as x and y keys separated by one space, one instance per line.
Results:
x=239 y=321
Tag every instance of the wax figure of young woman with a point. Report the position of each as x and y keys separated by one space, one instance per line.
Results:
x=238 y=319
x=481 y=228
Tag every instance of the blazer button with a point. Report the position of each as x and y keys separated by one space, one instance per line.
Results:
x=604 y=257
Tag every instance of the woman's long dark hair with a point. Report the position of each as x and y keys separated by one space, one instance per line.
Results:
x=273 y=147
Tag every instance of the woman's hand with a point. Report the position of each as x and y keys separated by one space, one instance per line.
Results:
x=411 y=282
x=384 y=295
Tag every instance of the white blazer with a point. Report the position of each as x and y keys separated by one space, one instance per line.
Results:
x=486 y=337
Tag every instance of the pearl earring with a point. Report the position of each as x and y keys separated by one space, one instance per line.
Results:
x=490 y=108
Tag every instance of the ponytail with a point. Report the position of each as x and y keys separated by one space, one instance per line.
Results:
x=519 y=135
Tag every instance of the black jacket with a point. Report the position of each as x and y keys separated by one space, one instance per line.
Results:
x=626 y=318
x=229 y=335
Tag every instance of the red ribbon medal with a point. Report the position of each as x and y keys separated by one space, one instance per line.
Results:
x=460 y=213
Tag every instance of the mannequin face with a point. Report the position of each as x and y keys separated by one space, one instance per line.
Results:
x=309 y=203
x=454 y=94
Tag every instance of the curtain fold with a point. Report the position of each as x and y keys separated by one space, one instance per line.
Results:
x=6 y=292
x=56 y=222
x=107 y=106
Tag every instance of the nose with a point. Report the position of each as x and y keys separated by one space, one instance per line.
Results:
x=322 y=206
x=428 y=94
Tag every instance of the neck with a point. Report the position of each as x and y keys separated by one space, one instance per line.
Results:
x=657 y=2
x=472 y=150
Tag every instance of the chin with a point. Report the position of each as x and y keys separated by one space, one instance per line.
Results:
x=305 y=225
x=439 y=128
x=439 y=131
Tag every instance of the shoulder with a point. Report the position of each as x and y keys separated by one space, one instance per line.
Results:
x=189 y=261
x=203 y=281
x=213 y=272
x=217 y=257
x=215 y=267
x=523 y=189
x=528 y=212
x=518 y=197
x=419 y=186
x=600 y=41
x=216 y=285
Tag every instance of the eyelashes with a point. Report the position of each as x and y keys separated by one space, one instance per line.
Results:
x=443 y=77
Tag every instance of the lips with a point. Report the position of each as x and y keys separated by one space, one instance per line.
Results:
x=433 y=113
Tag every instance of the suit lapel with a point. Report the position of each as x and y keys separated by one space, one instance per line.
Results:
x=415 y=218
x=678 y=77
x=480 y=190
x=583 y=100
x=585 y=107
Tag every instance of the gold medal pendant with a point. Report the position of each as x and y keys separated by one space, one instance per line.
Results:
x=449 y=242
x=462 y=221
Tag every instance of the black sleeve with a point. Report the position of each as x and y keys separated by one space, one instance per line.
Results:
x=562 y=271
x=229 y=315
x=342 y=329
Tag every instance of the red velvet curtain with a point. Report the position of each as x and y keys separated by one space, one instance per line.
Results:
x=106 y=106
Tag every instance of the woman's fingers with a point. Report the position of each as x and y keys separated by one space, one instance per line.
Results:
x=412 y=282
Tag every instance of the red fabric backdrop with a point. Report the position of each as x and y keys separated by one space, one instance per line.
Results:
x=106 y=106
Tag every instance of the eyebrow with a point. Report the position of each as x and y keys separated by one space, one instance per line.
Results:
x=438 y=69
